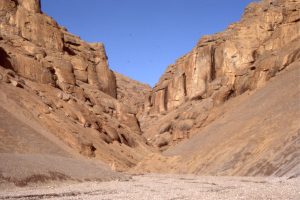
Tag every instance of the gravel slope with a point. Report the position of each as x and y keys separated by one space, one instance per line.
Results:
x=29 y=154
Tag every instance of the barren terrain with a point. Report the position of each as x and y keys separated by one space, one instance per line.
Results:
x=167 y=187
x=223 y=121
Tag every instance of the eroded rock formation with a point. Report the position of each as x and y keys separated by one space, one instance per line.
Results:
x=243 y=57
x=67 y=85
x=209 y=112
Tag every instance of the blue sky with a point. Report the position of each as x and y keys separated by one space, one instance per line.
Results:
x=142 y=37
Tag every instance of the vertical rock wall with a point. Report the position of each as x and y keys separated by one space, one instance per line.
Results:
x=225 y=57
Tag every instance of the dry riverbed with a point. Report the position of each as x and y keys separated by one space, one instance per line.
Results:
x=168 y=187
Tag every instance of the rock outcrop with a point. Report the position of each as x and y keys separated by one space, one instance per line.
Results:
x=228 y=100
x=210 y=112
x=225 y=65
x=230 y=58
x=254 y=134
x=131 y=93
x=66 y=85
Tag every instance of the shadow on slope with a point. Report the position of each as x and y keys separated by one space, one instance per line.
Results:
x=258 y=134
x=31 y=155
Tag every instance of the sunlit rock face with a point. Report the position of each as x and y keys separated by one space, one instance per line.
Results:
x=49 y=47
x=70 y=88
x=231 y=59
x=215 y=98
x=194 y=94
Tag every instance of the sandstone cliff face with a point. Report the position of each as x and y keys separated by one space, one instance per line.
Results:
x=66 y=85
x=232 y=103
x=254 y=134
x=243 y=57
x=130 y=92
x=230 y=58
x=216 y=96
x=46 y=53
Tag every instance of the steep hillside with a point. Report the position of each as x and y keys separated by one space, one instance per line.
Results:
x=29 y=154
x=66 y=86
x=230 y=106
x=204 y=99
x=222 y=66
x=256 y=133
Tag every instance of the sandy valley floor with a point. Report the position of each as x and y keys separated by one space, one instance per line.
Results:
x=166 y=187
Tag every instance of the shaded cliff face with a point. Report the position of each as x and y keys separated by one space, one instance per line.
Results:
x=65 y=84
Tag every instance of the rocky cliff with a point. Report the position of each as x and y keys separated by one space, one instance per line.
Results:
x=228 y=107
x=225 y=65
x=66 y=85
x=232 y=103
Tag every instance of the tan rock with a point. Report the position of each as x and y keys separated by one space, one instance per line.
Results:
x=92 y=76
x=40 y=29
x=80 y=69
x=224 y=56
x=88 y=150
x=161 y=142
x=111 y=132
x=17 y=83
x=165 y=127
x=184 y=125
x=176 y=91
x=159 y=100
x=7 y=5
x=233 y=97
x=105 y=76
x=131 y=93
x=31 y=5
x=32 y=69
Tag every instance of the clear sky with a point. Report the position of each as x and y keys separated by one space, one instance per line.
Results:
x=142 y=37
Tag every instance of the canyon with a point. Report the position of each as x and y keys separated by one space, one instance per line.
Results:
x=229 y=107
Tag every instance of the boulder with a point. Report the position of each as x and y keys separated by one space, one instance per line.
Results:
x=111 y=132
x=165 y=127
x=184 y=125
